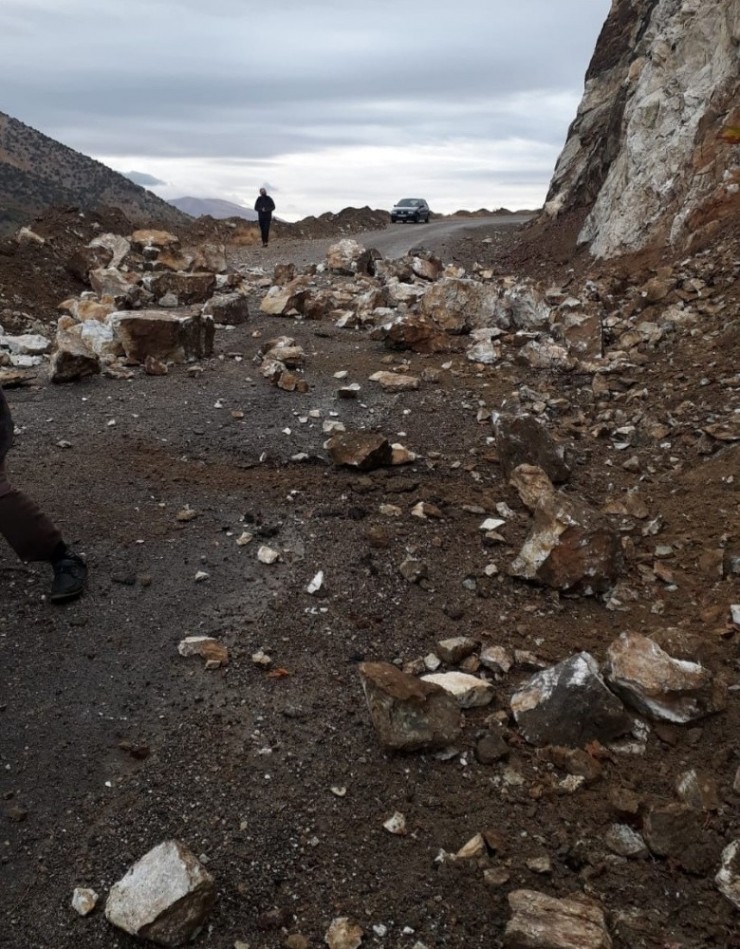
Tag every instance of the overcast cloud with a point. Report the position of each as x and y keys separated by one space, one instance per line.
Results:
x=332 y=104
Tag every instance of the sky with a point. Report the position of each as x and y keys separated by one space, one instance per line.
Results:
x=329 y=103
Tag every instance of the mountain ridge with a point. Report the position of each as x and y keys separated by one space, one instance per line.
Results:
x=37 y=172
x=217 y=208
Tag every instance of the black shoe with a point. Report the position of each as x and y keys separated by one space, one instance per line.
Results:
x=70 y=573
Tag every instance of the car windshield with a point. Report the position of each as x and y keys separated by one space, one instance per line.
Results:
x=409 y=203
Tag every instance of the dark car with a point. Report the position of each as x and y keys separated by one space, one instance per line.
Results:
x=410 y=209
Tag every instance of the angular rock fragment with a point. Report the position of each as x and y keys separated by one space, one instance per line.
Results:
x=408 y=713
x=571 y=547
x=361 y=450
x=454 y=650
x=170 y=336
x=166 y=896
x=116 y=284
x=497 y=659
x=84 y=900
x=469 y=691
x=543 y=922
x=666 y=689
x=676 y=831
x=211 y=650
x=188 y=288
x=569 y=704
x=523 y=440
x=71 y=358
x=395 y=382
x=699 y=791
x=531 y=483
x=728 y=876
x=417 y=333
x=228 y=309
x=285 y=300
x=626 y=842
x=545 y=354
x=343 y=933
x=143 y=238
x=460 y=305
x=342 y=257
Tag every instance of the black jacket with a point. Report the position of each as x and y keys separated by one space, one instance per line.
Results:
x=264 y=205
x=6 y=427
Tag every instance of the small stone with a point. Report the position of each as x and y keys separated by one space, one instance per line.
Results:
x=201 y=576
x=396 y=824
x=496 y=877
x=469 y=691
x=343 y=933
x=698 y=791
x=84 y=900
x=316 y=584
x=625 y=842
x=497 y=659
x=728 y=876
x=473 y=849
x=413 y=570
x=211 y=650
x=267 y=555
x=296 y=941
x=244 y=538
x=454 y=650
x=491 y=748
x=260 y=658
x=186 y=514
x=540 y=865
x=394 y=382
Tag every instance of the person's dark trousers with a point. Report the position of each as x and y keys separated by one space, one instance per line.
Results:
x=28 y=531
x=264 y=220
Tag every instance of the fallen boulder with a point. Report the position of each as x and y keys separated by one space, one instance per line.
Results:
x=167 y=335
x=569 y=704
x=667 y=689
x=408 y=713
x=72 y=359
x=166 y=896
x=523 y=440
x=543 y=922
x=571 y=548
x=361 y=450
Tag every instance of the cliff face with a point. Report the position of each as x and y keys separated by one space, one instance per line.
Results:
x=652 y=156
x=37 y=172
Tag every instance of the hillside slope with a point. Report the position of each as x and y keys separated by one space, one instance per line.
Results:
x=37 y=172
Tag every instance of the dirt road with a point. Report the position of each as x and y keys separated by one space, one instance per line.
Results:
x=110 y=742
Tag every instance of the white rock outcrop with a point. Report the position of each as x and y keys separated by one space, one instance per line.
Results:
x=650 y=154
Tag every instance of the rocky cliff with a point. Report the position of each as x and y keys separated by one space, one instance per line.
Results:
x=652 y=158
x=37 y=172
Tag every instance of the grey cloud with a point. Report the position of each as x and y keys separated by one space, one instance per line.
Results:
x=143 y=179
x=225 y=81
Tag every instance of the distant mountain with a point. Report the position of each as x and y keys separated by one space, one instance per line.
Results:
x=37 y=172
x=213 y=207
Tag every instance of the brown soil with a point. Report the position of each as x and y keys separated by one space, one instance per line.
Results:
x=110 y=742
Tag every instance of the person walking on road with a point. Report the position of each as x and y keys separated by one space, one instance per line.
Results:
x=30 y=532
x=264 y=206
